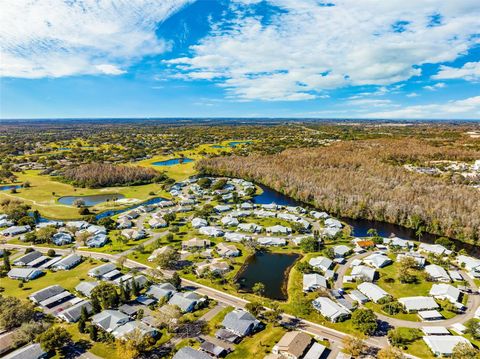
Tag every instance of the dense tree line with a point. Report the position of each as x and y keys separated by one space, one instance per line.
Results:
x=357 y=179
x=95 y=175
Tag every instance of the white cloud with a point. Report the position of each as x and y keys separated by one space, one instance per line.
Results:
x=459 y=109
x=57 y=38
x=412 y=94
x=469 y=71
x=435 y=87
x=306 y=49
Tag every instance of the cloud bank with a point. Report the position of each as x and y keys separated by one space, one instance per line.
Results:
x=54 y=38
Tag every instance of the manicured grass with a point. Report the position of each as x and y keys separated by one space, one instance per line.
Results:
x=258 y=345
x=215 y=322
x=44 y=192
x=420 y=349
x=398 y=289
x=67 y=279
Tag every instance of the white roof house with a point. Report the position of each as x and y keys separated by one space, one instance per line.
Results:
x=229 y=221
x=24 y=273
x=322 y=263
x=227 y=250
x=249 y=227
x=109 y=320
x=377 y=260
x=436 y=249
x=278 y=229
x=419 y=259
x=334 y=223
x=86 y=288
x=435 y=331
x=314 y=281
x=438 y=273
x=102 y=270
x=372 y=291
x=398 y=242
x=445 y=292
x=341 y=251
x=469 y=263
x=443 y=345
x=211 y=231
x=364 y=273
x=330 y=310
x=236 y=237
x=358 y=296
x=62 y=238
x=68 y=262
x=271 y=241
x=419 y=303
x=199 y=222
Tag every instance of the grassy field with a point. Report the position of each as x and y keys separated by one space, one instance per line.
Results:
x=259 y=345
x=44 y=191
x=67 y=279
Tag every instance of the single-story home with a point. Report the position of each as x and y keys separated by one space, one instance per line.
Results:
x=341 y=251
x=361 y=272
x=442 y=345
x=358 y=296
x=278 y=229
x=190 y=353
x=26 y=259
x=45 y=293
x=199 y=222
x=85 y=288
x=196 y=243
x=372 y=291
x=314 y=281
x=186 y=301
x=159 y=291
x=418 y=303
x=322 y=263
x=293 y=345
x=101 y=270
x=68 y=262
x=15 y=231
x=377 y=260
x=229 y=221
x=156 y=222
x=240 y=322
x=236 y=237
x=211 y=231
x=97 y=241
x=159 y=251
x=330 y=310
x=445 y=292
x=73 y=313
x=109 y=320
x=25 y=274
x=227 y=250
x=435 y=249
x=250 y=227
x=271 y=241
x=437 y=273
x=62 y=238
x=31 y=351
x=134 y=234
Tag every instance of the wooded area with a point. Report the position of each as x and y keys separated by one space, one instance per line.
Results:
x=96 y=175
x=364 y=179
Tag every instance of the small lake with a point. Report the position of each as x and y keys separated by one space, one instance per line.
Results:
x=172 y=162
x=271 y=269
x=269 y=196
x=238 y=143
x=90 y=200
x=9 y=187
x=217 y=146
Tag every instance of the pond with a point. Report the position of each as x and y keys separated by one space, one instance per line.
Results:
x=217 y=146
x=271 y=269
x=238 y=143
x=9 y=187
x=90 y=200
x=172 y=161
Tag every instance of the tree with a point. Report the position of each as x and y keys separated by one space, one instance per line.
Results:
x=258 y=288
x=465 y=351
x=28 y=332
x=168 y=259
x=81 y=325
x=390 y=353
x=169 y=217
x=26 y=221
x=254 y=307
x=93 y=332
x=54 y=338
x=365 y=321
x=175 y=280
x=51 y=253
x=79 y=203
x=353 y=345
x=96 y=306
x=309 y=244
x=6 y=261
x=401 y=336
x=204 y=182
x=45 y=234
x=14 y=312
x=107 y=295
x=108 y=223
x=473 y=328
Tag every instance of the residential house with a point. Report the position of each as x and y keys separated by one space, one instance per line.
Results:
x=110 y=320
x=341 y=251
x=31 y=351
x=186 y=301
x=24 y=274
x=271 y=241
x=363 y=273
x=211 y=231
x=293 y=345
x=435 y=249
x=190 y=353
x=417 y=304
x=160 y=291
x=85 y=288
x=372 y=291
x=322 y=263
x=278 y=229
x=437 y=273
x=446 y=292
x=228 y=221
x=377 y=260
x=45 y=293
x=199 y=223
x=100 y=271
x=227 y=250
x=250 y=227
x=123 y=331
x=195 y=243
x=68 y=262
x=97 y=241
x=221 y=208
x=358 y=296
x=442 y=345
x=240 y=322
x=331 y=310
x=159 y=251
x=15 y=231
x=26 y=259
x=72 y=314
x=156 y=222
x=134 y=234
x=62 y=238
x=419 y=259
x=236 y=237
x=314 y=281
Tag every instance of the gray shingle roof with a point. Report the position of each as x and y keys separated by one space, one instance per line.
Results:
x=240 y=322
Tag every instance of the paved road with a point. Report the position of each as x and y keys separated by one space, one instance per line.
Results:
x=225 y=298
x=343 y=269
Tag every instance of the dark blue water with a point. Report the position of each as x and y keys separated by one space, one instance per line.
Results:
x=271 y=196
x=172 y=161
x=271 y=269
x=237 y=143
x=217 y=146
x=90 y=200
x=9 y=187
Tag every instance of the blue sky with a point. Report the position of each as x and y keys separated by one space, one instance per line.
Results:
x=247 y=58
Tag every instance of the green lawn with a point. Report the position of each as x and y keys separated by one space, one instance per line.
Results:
x=67 y=279
x=258 y=345
x=398 y=289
